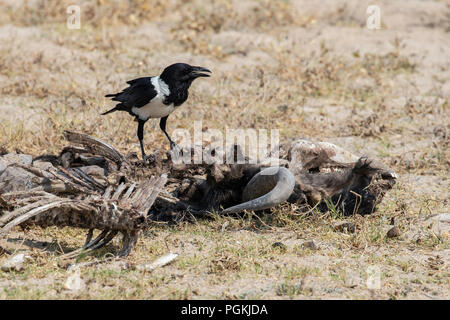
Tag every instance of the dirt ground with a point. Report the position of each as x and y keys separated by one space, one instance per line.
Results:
x=310 y=69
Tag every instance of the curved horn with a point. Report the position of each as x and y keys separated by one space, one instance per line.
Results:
x=266 y=189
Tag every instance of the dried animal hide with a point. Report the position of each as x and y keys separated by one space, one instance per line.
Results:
x=324 y=175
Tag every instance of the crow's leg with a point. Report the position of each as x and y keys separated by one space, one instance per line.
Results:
x=162 y=125
x=140 y=134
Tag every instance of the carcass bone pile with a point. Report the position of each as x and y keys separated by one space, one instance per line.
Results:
x=93 y=186
x=49 y=193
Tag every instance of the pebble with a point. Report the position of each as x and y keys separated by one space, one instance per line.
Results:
x=14 y=264
x=74 y=282
x=310 y=245
x=24 y=159
x=394 y=232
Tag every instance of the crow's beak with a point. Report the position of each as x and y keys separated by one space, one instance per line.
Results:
x=198 y=72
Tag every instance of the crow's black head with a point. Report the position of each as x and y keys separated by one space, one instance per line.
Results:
x=182 y=72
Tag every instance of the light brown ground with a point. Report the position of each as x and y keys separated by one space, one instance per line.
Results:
x=381 y=93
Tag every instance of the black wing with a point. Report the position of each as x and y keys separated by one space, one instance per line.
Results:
x=140 y=92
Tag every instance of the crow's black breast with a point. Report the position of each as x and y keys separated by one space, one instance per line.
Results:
x=178 y=93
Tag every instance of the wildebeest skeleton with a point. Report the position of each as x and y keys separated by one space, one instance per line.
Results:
x=96 y=187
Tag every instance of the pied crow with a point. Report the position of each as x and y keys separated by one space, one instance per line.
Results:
x=157 y=97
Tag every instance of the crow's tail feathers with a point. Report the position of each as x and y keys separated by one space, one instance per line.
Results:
x=119 y=107
x=109 y=111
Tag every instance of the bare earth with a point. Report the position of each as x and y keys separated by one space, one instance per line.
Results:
x=310 y=69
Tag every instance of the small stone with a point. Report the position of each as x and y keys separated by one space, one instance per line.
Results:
x=345 y=226
x=393 y=233
x=282 y=108
x=310 y=245
x=16 y=179
x=14 y=264
x=74 y=282
x=10 y=158
x=279 y=245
